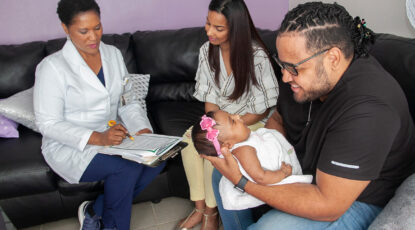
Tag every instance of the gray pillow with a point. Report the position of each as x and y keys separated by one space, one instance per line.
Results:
x=399 y=213
x=19 y=108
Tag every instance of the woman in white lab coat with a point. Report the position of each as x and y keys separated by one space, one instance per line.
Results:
x=76 y=93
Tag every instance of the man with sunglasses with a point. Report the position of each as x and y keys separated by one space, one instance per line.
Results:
x=360 y=141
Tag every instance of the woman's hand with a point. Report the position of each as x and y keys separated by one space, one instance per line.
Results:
x=250 y=118
x=143 y=131
x=227 y=166
x=112 y=136
x=210 y=107
x=276 y=122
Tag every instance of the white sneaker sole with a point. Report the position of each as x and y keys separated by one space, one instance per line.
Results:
x=81 y=213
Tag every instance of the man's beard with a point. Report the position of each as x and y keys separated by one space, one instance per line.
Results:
x=321 y=86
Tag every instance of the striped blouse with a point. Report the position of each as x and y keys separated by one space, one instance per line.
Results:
x=255 y=101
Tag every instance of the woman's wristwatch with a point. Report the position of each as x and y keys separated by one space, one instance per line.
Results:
x=241 y=184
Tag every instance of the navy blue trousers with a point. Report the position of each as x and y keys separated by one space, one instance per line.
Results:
x=123 y=180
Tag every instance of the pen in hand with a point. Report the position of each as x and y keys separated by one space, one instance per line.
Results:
x=129 y=136
x=112 y=123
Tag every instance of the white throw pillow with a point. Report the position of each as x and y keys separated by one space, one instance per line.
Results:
x=19 y=108
x=135 y=89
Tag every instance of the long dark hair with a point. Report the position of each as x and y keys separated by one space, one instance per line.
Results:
x=329 y=25
x=242 y=33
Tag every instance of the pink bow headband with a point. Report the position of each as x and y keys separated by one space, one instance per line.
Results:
x=207 y=123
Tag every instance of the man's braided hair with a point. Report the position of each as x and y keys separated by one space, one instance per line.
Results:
x=329 y=25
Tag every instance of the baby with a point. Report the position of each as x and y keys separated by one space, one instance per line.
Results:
x=264 y=156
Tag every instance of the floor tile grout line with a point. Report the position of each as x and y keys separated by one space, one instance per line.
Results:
x=170 y=221
x=156 y=219
x=152 y=216
x=159 y=225
x=160 y=220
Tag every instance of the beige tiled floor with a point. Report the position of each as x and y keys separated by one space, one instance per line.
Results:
x=145 y=216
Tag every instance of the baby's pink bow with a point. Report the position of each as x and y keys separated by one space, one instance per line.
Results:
x=207 y=124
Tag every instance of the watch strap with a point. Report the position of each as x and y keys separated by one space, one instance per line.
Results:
x=241 y=184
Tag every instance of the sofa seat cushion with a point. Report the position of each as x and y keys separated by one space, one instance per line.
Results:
x=23 y=171
x=157 y=189
x=174 y=118
x=68 y=189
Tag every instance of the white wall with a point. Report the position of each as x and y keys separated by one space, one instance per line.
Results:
x=382 y=16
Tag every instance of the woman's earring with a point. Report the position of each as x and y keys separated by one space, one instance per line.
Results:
x=67 y=37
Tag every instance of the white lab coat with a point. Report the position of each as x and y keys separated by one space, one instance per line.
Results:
x=70 y=103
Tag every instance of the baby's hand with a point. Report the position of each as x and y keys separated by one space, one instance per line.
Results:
x=286 y=169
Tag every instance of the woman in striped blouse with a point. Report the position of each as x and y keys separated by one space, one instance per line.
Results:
x=234 y=75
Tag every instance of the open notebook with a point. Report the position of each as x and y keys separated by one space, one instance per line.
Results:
x=147 y=149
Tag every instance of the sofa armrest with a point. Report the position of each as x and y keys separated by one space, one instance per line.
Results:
x=399 y=212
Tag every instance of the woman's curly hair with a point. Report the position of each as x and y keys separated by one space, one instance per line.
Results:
x=329 y=25
x=68 y=9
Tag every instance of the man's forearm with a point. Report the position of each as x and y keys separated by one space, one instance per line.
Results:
x=303 y=200
x=328 y=200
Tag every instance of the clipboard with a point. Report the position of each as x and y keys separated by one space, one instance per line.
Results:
x=148 y=152
x=154 y=162
x=173 y=152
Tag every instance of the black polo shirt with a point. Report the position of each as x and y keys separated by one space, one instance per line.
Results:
x=362 y=131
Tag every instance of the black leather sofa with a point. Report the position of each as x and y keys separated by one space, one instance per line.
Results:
x=31 y=193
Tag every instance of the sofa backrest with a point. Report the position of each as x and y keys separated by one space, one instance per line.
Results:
x=17 y=66
x=397 y=55
x=121 y=41
x=18 y=62
x=171 y=58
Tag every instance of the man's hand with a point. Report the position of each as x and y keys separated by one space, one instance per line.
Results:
x=143 y=131
x=227 y=166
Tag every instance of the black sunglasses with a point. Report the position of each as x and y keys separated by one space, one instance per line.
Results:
x=291 y=68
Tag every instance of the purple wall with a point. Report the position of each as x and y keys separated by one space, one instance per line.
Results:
x=33 y=20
